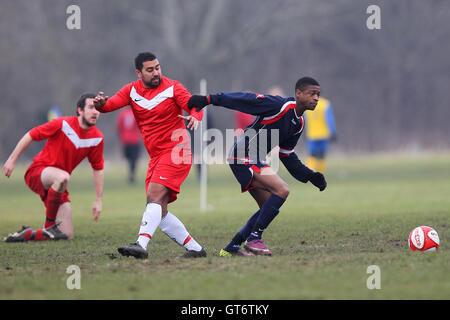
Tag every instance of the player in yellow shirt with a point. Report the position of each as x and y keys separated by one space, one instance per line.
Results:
x=320 y=130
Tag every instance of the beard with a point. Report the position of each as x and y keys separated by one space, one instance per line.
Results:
x=87 y=122
x=153 y=83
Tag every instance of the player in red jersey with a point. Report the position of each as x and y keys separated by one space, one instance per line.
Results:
x=130 y=139
x=158 y=103
x=69 y=141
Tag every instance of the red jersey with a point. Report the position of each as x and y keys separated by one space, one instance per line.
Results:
x=156 y=112
x=68 y=144
x=127 y=128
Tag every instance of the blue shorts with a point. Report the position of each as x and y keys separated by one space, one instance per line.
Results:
x=318 y=147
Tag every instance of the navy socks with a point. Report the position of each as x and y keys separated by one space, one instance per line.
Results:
x=240 y=237
x=267 y=213
x=257 y=223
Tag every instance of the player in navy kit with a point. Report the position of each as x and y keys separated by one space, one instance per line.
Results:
x=275 y=117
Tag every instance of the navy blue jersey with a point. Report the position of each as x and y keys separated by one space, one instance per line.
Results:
x=276 y=124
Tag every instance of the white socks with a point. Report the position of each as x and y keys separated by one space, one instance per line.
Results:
x=176 y=230
x=150 y=221
x=170 y=225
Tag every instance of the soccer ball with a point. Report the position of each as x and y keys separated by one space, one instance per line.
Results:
x=423 y=238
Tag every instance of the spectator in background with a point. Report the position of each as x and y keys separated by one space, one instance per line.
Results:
x=196 y=144
x=276 y=91
x=53 y=113
x=243 y=120
x=320 y=130
x=130 y=139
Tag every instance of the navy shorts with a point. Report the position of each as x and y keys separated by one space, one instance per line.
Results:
x=243 y=171
x=244 y=159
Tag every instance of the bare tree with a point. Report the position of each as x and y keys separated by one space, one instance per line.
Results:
x=389 y=86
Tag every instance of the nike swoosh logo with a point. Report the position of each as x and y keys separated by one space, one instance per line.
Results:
x=162 y=178
x=293 y=121
x=137 y=100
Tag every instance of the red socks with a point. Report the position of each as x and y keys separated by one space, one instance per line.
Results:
x=52 y=204
x=35 y=235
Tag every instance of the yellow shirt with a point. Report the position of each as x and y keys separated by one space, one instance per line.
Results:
x=316 y=122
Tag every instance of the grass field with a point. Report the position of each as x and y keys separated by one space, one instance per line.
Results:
x=322 y=242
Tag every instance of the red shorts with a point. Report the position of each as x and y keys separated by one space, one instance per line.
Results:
x=163 y=170
x=34 y=182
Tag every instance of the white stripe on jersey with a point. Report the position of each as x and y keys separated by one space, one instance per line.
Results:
x=75 y=139
x=286 y=151
x=281 y=110
x=150 y=104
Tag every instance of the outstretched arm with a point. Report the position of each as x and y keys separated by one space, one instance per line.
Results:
x=23 y=144
x=98 y=183
x=106 y=104
x=301 y=172
x=251 y=103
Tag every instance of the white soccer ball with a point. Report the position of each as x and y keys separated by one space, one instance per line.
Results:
x=423 y=238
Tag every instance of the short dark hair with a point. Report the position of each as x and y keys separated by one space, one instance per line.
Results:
x=141 y=58
x=81 y=103
x=302 y=83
